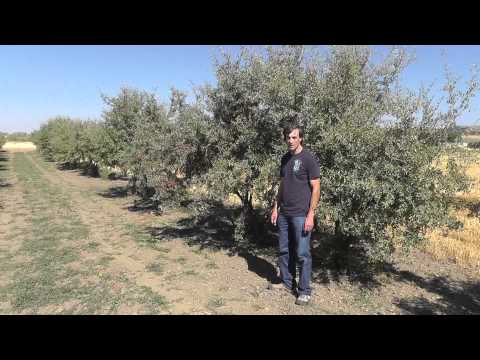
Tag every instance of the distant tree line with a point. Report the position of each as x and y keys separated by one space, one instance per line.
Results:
x=3 y=138
x=18 y=136
x=376 y=142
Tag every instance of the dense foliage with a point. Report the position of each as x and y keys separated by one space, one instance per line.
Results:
x=377 y=142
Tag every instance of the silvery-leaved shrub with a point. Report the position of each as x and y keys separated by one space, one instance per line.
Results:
x=380 y=145
x=375 y=140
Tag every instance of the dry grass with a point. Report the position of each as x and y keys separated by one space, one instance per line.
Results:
x=463 y=245
x=471 y=138
x=19 y=146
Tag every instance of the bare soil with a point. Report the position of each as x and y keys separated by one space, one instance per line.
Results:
x=136 y=251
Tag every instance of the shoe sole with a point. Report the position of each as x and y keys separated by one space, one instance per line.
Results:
x=301 y=303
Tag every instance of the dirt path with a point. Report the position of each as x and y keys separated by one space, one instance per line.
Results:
x=69 y=244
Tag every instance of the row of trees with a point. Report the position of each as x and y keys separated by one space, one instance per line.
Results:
x=376 y=141
x=3 y=139
x=18 y=136
x=73 y=143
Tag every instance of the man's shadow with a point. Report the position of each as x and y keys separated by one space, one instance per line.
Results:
x=261 y=267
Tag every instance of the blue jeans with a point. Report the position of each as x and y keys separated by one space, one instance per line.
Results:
x=294 y=244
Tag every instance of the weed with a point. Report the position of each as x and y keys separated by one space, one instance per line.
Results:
x=92 y=245
x=190 y=272
x=211 y=265
x=215 y=302
x=181 y=260
x=153 y=301
x=155 y=267
x=105 y=260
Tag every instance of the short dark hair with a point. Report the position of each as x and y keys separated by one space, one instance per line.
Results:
x=289 y=128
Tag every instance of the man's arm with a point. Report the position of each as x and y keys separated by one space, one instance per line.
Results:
x=315 y=184
x=276 y=204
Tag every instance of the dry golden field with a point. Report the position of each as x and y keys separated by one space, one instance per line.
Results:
x=471 y=138
x=463 y=245
x=19 y=146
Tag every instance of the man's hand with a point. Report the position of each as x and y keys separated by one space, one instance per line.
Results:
x=308 y=226
x=274 y=216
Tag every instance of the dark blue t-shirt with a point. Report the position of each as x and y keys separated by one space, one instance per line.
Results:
x=296 y=172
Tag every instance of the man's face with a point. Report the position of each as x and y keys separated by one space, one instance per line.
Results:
x=293 y=140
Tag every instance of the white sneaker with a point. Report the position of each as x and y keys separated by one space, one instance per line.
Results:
x=303 y=299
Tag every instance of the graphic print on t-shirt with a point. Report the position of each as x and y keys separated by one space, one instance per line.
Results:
x=296 y=165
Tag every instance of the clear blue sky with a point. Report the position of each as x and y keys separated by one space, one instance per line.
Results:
x=39 y=82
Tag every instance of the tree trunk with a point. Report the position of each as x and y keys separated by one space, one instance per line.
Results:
x=342 y=244
x=93 y=169
x=133 y=186
x=252 y=222
x=338 y=230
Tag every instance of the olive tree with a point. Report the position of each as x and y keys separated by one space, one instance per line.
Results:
x=377 y=144
x=59 y=140
x=375 y=140
x=121 y=118
x=132 y=117
x=94 y=145
x=172 y=149
x=159 y=147
x=76 y=143
x=255 y=94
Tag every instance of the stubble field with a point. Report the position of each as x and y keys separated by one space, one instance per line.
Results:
x=463 y=245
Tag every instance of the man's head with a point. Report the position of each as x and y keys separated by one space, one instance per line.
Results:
x=293 y=135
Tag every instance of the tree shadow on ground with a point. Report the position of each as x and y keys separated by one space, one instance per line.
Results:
x=214 y=231
x=331 y=263
x=88 y=170
x=145 y=206
x=453 y=297
x=474 y=209
x=4 y=158
x=82 y=169
x=65 y=166
x=139 y=205
x=115 y=176
x=472 y=205
x=114 y=192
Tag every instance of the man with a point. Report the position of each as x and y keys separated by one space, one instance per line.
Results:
x=293 y=211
